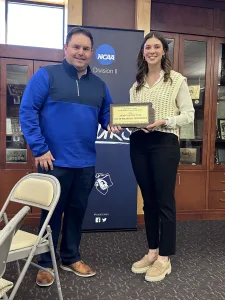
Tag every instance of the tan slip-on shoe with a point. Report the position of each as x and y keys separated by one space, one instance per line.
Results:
x=44 y=278
x=143 y=265
x=158 y=271
x=79 y=268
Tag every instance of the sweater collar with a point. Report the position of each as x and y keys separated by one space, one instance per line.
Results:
x=161 y=74
x=72 y=71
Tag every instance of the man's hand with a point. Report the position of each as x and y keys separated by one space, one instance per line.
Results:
x=114 y=129
x=45 y=161
x=154 y=126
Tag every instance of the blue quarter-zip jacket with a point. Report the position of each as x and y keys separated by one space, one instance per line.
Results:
x=60 y=112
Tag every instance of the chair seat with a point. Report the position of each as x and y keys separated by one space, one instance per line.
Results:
x=22 y=244
x=23 y=239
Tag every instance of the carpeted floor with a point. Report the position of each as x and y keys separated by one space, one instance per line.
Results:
x=198 y=269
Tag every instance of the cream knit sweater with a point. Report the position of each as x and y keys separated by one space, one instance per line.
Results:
x=171 y=101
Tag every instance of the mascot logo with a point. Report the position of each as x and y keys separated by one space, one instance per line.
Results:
x=103 y=182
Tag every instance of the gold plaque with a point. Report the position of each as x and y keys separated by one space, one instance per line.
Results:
x=188 y=155
x=137 y=115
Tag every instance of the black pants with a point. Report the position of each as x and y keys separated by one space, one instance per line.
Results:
x=155 y=157
x=76 y=185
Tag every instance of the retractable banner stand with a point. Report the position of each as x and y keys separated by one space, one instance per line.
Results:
x=113 y=201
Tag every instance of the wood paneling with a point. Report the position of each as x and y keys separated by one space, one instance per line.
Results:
x=75 y=12
x=217 y=181
x=203 y=17
x=183 y=19
x=217 y=199
x=196 y=3
x=219 y=16
x=108 y=13
x=192 y=215
x=187 y=199
x=190 y=191
x=143 y=15
x=24 y=52
x=139 y=202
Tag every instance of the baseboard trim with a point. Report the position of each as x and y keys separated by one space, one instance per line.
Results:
x=185 y=216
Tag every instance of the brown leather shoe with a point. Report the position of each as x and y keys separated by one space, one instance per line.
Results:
x=44 y=278
x=79 y=268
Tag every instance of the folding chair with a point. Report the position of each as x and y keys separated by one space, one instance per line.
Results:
x=42 y=191
x=6 y=236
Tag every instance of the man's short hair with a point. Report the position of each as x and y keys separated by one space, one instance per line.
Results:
x=79 y=30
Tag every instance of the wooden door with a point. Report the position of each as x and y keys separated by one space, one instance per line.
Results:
x=190 y=191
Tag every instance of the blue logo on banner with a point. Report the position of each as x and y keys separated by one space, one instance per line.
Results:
x=105 y=54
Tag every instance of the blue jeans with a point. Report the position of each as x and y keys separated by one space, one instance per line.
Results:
x=76 y=185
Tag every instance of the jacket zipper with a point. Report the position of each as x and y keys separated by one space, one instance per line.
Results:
x=78 y=90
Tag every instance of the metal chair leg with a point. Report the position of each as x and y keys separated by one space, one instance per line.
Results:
x=22 y=274
x=5 y=297
x=18 y=267
x=51 y=246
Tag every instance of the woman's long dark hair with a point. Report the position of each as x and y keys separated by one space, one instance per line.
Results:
x=143 y=66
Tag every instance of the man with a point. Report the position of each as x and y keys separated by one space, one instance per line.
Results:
x=59 y=115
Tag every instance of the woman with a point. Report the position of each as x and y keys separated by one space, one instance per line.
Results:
x=155 y=151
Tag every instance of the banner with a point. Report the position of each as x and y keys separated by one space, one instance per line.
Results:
x=113 y=201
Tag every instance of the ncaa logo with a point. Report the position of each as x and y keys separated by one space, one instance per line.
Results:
x=105 y=54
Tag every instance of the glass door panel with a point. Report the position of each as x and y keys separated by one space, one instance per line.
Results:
x=14 y=77
x=220 y=113
x=193 y=65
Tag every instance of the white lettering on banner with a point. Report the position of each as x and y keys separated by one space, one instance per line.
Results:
x=105 y=137
x=101 y=214
x=106 y=56
x=103 y=71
